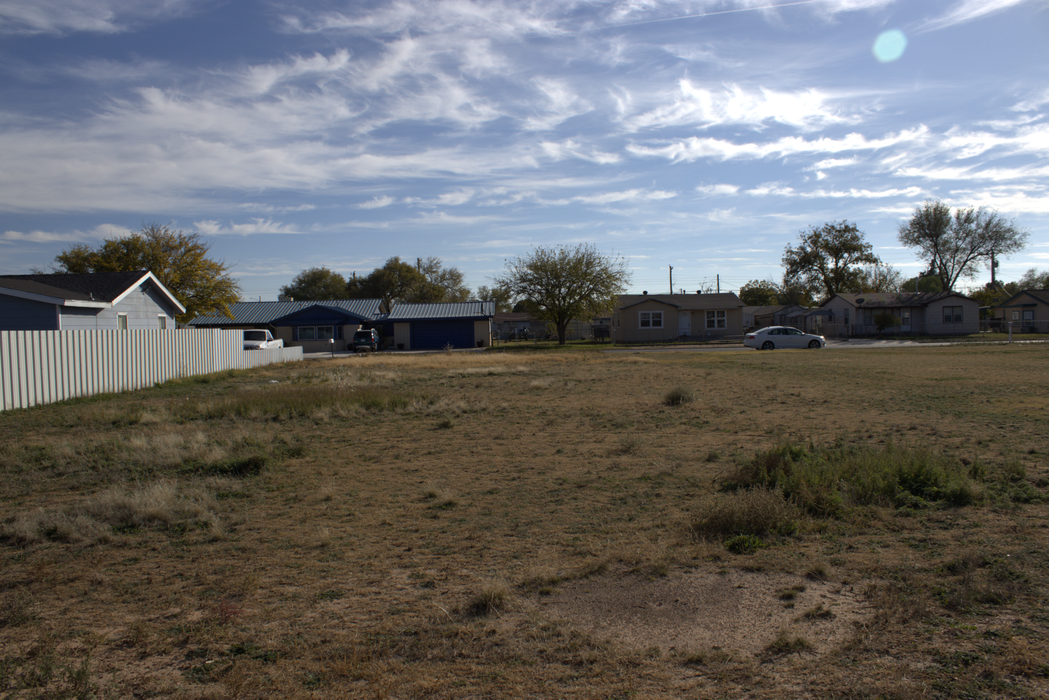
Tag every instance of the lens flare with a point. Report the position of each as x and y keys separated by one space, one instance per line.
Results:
x=889 y=45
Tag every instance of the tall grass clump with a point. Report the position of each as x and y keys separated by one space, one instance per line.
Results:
x=292 y=401
x=826 y=481
x=679 y=396
x=162 y=505
x=754 y=512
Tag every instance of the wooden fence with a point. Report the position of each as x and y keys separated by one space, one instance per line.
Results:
x=40 y=367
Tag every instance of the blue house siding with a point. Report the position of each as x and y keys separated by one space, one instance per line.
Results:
x=26 y=315
x=142 y=306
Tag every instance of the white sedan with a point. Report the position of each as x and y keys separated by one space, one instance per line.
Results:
x=782 y=337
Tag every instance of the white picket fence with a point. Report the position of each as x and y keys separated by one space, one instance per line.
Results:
x=40 y=367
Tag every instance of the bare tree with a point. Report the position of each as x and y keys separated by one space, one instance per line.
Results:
x=957 y=245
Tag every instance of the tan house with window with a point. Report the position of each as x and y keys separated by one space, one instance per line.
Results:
x=653 y=318
x=1025 y=312
x=924 y=313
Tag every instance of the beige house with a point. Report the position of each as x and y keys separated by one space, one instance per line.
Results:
x=924 y=313
x=1025 y=312
x=653 y=318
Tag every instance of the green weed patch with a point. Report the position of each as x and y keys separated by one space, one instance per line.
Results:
x=825 y=482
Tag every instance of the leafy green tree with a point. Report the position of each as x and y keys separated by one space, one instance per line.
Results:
x=794 y=293
x=443 y=284
x=1033 y=279
x=827 y=259
x=879 y=278
x=925 y=283
x=759 y=293
x=394 y=281
x=566 y=283
x=502 y=297
x=179 y=260
x=886 y=319
x=956 y=245
x=426 y=282
x=316 y=284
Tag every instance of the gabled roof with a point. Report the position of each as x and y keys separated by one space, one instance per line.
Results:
x=1038 y=295
x=772 y=310
x=262 y=313
x=478 y=310
x=98 y=290
x=321 y=313
x=686 y=302
x=894 y=300
x=512 y=317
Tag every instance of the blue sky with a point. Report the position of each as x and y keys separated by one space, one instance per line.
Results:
x=699 y=135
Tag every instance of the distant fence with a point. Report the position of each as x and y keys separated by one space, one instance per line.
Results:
x=998 y=325
x=40 y=367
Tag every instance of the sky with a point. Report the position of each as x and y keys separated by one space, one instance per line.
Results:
x=702 y=135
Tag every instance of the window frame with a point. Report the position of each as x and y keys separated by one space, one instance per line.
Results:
x=316 y=335
x=651 y=317
x=122 y=322
x=952 y=315
x=162 y=321
x=717 y=319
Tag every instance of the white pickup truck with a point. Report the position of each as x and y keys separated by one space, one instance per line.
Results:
x=261 y=340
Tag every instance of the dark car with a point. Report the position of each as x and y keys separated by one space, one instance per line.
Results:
x=366 y=340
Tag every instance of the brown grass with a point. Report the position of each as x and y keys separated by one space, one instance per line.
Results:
x=402 y=527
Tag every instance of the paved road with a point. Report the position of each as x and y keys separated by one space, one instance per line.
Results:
x=832 y=344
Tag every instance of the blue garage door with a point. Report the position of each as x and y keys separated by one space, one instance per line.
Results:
x=434 y=335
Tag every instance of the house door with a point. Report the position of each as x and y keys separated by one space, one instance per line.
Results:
x=905 y=321
x=684 y=323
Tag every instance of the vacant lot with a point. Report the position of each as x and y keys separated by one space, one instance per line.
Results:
x=862 y=524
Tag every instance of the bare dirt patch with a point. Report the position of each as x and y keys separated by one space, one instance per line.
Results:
x=735 y=611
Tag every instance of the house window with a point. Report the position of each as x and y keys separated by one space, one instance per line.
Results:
x=715 y=319
x=651 y=319
x=905 y=317
x=1016 y=315
x=122 y=322
x=868 y=317
x=319 y=332
x=952 y=314
x=163 y=322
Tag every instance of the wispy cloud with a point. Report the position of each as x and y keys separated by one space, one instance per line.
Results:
x=718 y=190
x=98 y=232
x=967 y=11
x=97 y=16
x=695 y=147
x=215 y=228
x=706 y=107
x=376 y=202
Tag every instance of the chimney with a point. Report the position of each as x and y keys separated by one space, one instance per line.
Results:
x=645 y=293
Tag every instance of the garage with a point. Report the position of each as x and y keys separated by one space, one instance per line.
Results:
x=431 y=335
x=436 y=326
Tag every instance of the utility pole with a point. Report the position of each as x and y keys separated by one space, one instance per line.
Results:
x=719 y=284
x=671 y=280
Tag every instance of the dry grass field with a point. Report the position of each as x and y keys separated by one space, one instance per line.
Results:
x=832 y=524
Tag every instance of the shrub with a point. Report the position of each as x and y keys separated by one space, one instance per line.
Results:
x=824 y=481
x=756 y=511
x=491 y=598
x=745 y=544
x=679 y=396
